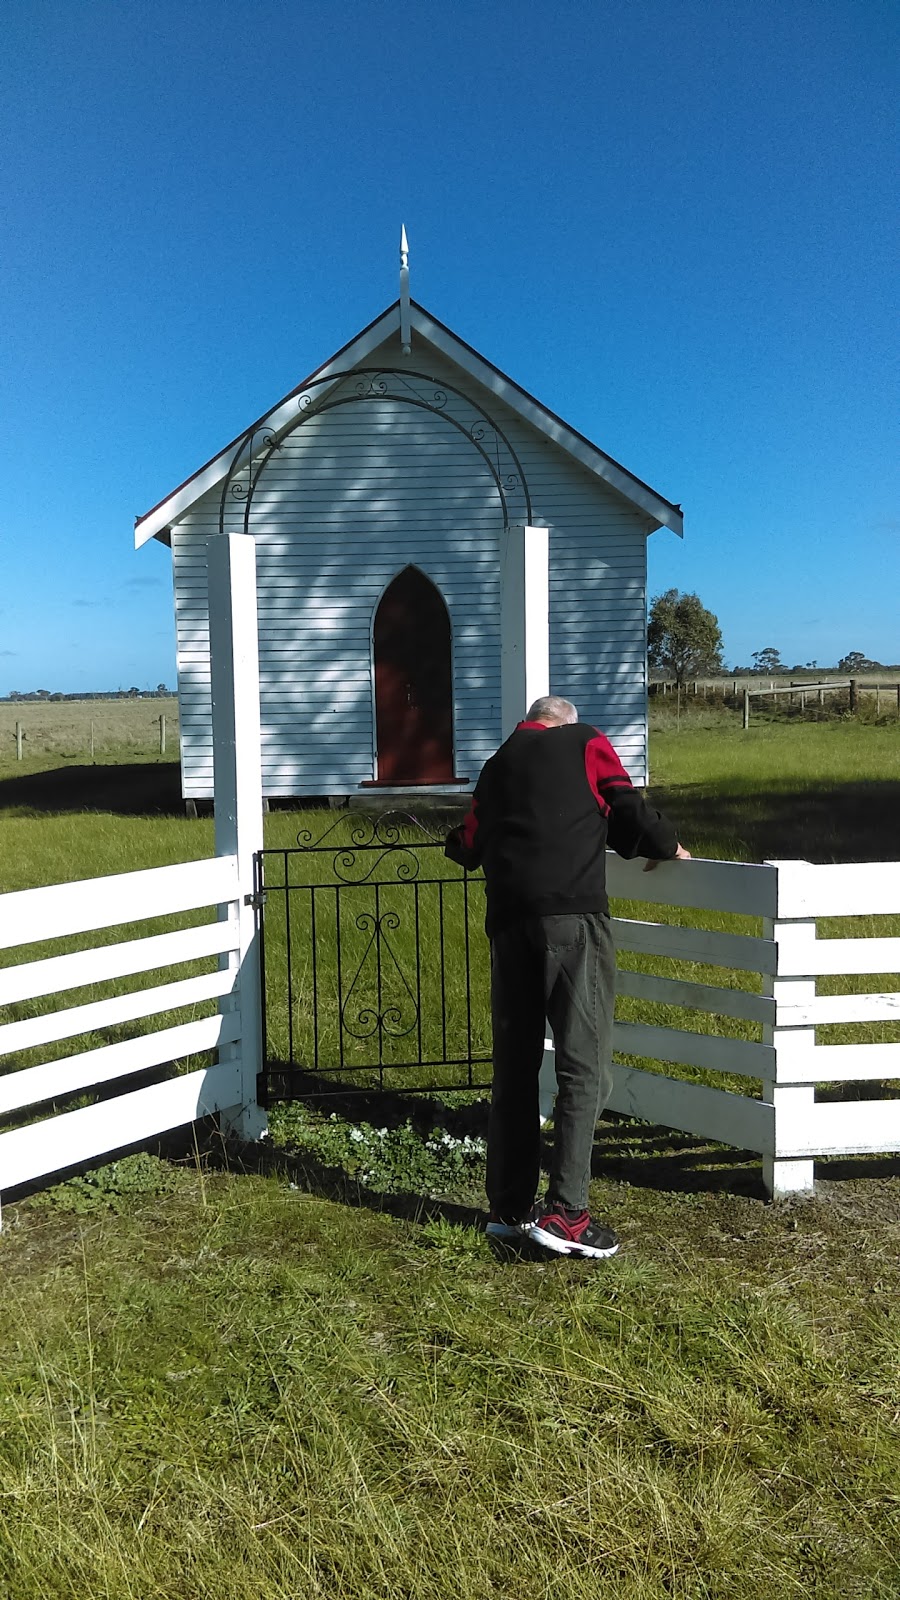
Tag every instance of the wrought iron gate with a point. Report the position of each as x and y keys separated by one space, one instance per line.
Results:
x=375 y=965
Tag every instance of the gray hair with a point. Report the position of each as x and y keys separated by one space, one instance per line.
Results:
x=550 y=708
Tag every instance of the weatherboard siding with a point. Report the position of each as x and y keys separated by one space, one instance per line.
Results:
x=354 y=495
x=341 y=509
x=598 y=573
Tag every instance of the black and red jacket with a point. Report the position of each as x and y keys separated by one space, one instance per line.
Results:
x=543 y=812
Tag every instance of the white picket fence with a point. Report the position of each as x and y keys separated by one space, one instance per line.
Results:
x=224 y=883
x=786 y=1124
x=744 y=1121
x=32 y=915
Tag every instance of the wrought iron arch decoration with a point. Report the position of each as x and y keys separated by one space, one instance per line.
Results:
x=258 y=445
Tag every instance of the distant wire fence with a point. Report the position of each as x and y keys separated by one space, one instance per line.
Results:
x=88 y=729
x=738 y=693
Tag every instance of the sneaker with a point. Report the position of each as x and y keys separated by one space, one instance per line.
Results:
x=508 y=1228
x=570 y=1233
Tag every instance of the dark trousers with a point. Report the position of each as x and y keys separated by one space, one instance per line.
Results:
x=562 y=968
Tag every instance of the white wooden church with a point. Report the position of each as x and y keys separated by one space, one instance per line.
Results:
x=381 y=494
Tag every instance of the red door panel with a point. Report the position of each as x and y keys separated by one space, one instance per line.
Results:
x=413 y=683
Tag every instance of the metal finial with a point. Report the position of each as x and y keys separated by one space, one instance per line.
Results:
x=405 y=328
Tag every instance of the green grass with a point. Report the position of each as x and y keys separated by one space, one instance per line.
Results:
x=787 y=790
x=803 y=751
x=60 y=731
x=229 y=1387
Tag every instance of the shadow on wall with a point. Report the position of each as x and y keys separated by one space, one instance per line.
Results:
x=786 y=821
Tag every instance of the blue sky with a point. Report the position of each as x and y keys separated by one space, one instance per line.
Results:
x=673 y=222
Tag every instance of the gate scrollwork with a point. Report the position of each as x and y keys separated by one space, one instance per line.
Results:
x=371 y=958
x=389 y=1018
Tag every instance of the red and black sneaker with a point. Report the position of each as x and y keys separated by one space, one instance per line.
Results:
x=570 y=1233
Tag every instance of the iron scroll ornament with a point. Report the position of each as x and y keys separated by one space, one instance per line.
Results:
x=237 y=486
x=369 y=835
x=387 y=1022
x=362 y=384
x=385 y=837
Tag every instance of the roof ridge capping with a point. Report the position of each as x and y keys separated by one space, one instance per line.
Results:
x=534 y=411
x=661 y=512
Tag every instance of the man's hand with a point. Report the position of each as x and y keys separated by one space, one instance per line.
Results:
x=680 y=855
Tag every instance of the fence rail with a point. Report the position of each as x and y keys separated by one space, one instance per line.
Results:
x=741 y=690
x=764 y=1034
x=76 y=1136
x=74 y=909
x=784 y=1120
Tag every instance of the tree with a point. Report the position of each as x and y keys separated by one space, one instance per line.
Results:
x=684 y=640
x=768 y=660
x=857 y=662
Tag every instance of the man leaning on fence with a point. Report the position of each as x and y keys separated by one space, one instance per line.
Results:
x=544 y=809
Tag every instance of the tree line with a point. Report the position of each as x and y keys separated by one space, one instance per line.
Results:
x=684 y=641
x=54 y=695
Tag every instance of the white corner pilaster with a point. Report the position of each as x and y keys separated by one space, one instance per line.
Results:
x=524 y=621
x=237 y=778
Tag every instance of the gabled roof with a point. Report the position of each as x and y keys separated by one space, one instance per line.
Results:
x=661 y=512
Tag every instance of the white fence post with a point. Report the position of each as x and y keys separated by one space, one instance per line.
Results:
x=525 y=667
x=793 y=1102
x=237 y=779
x=524 y=622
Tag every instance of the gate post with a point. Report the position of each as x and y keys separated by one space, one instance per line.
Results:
x=237 y=786
x=525 y=669
x=524 y=621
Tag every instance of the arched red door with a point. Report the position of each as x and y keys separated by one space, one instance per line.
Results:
x=413 y=682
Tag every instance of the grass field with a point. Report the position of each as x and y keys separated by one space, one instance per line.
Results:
x=315 y=1379
x=782 y=790
x=227 y=1387
x=64 y=730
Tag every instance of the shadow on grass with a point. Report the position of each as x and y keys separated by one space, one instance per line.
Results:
x=657 y=1159
x=814 y=821
x=146 y=788
x=627 y=1151
x=843 y=821
x=644 y=1157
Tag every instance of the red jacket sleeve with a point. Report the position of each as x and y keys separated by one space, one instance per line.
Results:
x=635 y=828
